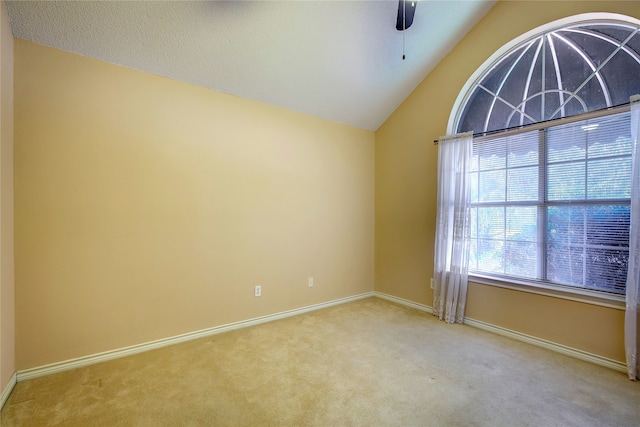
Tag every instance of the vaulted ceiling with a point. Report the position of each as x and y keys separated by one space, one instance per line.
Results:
x=338 y=60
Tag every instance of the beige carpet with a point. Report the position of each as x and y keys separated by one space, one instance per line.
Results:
x=369 y=362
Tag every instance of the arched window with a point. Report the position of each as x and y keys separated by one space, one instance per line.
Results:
x=550 y=199
x=557 y=72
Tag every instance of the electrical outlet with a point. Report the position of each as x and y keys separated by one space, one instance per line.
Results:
x=432 y=283
x=310 y=282
x=258 y=291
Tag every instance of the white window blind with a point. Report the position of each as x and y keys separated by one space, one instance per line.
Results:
x=552 y=204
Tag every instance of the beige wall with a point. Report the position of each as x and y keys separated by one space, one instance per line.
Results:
x=406 y=162
x=147 y=207
x=7 y=320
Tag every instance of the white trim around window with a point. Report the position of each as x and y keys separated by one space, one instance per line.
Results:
x=587 y=296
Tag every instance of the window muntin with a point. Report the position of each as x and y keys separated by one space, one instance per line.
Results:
x=552 y=205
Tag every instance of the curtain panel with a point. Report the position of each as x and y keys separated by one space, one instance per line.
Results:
x=633 y=274
x=451 y=259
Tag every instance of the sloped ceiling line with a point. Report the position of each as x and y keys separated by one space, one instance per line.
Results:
x=338 y=60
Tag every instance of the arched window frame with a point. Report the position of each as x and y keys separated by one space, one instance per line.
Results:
x=582 y=295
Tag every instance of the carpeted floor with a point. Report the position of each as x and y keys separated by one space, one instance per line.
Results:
x=369 y=363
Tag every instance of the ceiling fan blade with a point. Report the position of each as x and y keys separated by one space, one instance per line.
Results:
x=406 y=10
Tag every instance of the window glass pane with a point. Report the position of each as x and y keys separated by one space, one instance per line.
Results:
x=593 y=95
x=621 y=77
x=491 y=222
x=522 y=184
x=518 y=118
x=609 y=179
x=602 y=263
x=473 y=187
x=515 y=82
x=621 y=146
x=521 y=259
x=491 y=256
x=496 y=77
x=492 y=186
x=499 y=114
x=595 y=48
x=532 y=107
x=634 y=45
x=492 y=156
x=566 y=181
x=572 y=108
x=472 y=119
x=565 y=225
x=608 y=225
x=565 y=264
x=522 y=149
x=566 y=142
x=615 y=31
x=608 y=136
x=573 y=67
x=606 y=269
x=522 y=223
x=553 y=107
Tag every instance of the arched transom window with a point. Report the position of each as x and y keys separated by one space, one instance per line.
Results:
x=558 y=73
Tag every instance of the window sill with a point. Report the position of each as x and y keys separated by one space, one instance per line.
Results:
x=581 y=295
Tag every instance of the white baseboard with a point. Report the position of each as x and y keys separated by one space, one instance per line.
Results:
x=403 y=301
x=559 y=348
x=139 y=348
x=127 y=351
x=8 y=389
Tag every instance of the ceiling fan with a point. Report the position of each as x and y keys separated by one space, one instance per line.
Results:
x=406 y=10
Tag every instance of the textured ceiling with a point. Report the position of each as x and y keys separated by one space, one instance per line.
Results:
x=339 y=60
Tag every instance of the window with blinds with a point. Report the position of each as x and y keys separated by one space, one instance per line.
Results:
x=551 y=205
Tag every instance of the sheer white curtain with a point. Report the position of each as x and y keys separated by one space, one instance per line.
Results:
x=451 y=258
x=633 y=275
